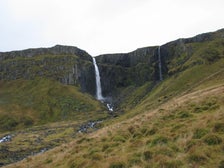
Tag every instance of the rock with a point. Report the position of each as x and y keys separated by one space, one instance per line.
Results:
x=66 y=64
x=87 y=126
x=56 y=50
x=122 y=70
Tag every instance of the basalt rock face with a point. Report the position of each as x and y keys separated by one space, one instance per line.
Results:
x=66 y=64
x=142 y=65
x=177 y=55
x=56 y=50
x=73 y=66
x=122 y=70
x=127 y=59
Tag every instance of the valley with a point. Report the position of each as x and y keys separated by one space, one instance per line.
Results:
x=167 y=100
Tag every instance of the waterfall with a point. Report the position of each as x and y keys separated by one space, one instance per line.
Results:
x=98 y=83
x=160 y=65
x=99 y=95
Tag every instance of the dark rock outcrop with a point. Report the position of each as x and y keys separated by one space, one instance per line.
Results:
x=66 y=64
x=122 y=70
x=140 y=55
x=137 y=67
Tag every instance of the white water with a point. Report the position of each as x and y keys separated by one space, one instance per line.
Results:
x=110 y=107
x=6 y=138
x=99 y=95
x=160 y=65
x=98 y=83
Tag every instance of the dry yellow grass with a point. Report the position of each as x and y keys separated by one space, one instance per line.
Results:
x=180 y=149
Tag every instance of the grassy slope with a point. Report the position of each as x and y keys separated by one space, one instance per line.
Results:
x=26 y=103
x=205 y=64
x=186 y=131
x=179 y=123
x=41 y=114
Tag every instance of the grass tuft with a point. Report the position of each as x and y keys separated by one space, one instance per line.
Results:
x=218 y=127
x=159 y=140
x=147 y=155
x=117 y=165
x=199 y=133
x=212 y=139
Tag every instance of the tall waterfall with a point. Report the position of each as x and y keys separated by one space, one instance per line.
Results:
x=160 y=65
x=98 y=83
x=99 y=95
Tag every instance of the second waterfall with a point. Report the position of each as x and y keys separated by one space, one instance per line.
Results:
x=160 y=65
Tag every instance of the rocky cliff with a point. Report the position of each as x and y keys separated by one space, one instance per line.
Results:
x=181 y=54
x=142 y=65
x=69 y=65
x=73 y=66
x=125 y=69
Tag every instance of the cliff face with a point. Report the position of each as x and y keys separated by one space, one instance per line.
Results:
x=73 y=66
x=56 y=50
x=66 y=64
x=142 y=65
x=182 y=54
x=134 y=68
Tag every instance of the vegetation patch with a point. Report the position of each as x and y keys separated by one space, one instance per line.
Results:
x=8 y=123
x=197 y=157
x=172 y=164
x=117 y=165
x=221 y=164
x=212 y=139
x=119 y=138
x=184 y=114
x=205 y=106
x=159 y=140
x=40 y=101
x=135 y=159
x=147 y=155
x=199 y=133
x=152 y=131
x=218 y=127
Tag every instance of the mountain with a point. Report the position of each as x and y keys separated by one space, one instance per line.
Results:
x=46 y=85
x=66 y=64
x=168 y=103
x=122 y=73
x=43 y=91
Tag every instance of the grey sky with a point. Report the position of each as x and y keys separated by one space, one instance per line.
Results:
x=104 y=26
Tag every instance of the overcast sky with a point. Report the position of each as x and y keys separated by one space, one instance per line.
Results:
x=104 y=26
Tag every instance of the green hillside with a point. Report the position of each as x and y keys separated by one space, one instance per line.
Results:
x=24 y=103
x=196 y=65
x=185 y=131
x=40 y=114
